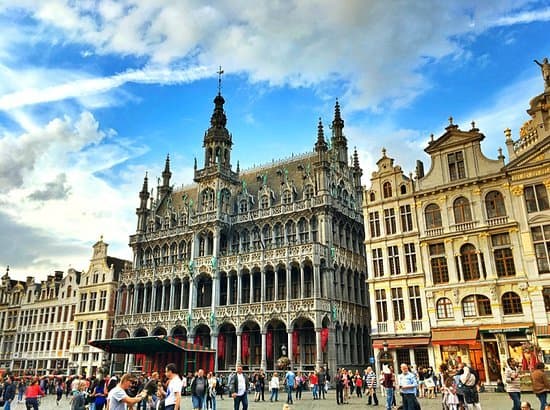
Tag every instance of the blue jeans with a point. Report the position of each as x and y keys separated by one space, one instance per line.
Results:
x=516 y=398
x=241 y=399
x=274 y=394
x=389 y=398
x=540 y=396
x=314 y=391
x=289 y=394
x=198 y=401
x=7 y=405
x=409 y=401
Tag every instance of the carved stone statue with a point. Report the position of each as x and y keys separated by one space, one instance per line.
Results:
x=283 y=350
x=545 y=68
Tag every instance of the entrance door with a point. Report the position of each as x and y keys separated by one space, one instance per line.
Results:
x=476 y=359
x=493 y=361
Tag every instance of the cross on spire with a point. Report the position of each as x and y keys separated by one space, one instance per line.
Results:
x=219 y=72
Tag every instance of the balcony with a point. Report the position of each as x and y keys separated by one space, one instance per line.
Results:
x=382 y=327
x=434 y=232
x=417 y=325
x=465 y=226
x=499 y=220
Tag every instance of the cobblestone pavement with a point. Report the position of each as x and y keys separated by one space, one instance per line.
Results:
x=489 y=401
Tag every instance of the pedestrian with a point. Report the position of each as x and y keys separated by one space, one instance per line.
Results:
x=358 y=381
x=199 y=390
x=100 y=395
x=339 y=387
x=388 y=384
x=300 y=385
x=525 y=405
x=118 y=398
x=313 y=383
x=58 y=392
x=408 y=386
x=257 y=387
x=321 y=379
x=469 y=380
x=32 y=394
x=290 y=382
x=173 y=391
x=238 y=389
x=274 y=387
x=21 y=387
x=9 y=392
x=262 y=384
x=371 y=386
x=513 y=383
x=541 y=384
x=211 y=394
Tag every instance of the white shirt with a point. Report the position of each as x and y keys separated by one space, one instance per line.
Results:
x=241 y=384
x=174 y=387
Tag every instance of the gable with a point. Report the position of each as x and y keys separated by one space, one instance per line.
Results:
x=454 y=137
x=536 y=160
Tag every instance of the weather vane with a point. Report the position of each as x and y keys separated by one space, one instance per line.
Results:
x=219 y=72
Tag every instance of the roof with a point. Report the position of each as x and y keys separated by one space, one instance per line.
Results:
x=147 y=345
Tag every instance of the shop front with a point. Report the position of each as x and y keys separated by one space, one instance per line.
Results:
x=543 y=341
x=500 y=342
x=458 y=345
x=394 y=351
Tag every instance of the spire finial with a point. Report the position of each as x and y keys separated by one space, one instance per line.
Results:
x=451 y=120
x=384 y=152
x=219 y=72
x=355 y=158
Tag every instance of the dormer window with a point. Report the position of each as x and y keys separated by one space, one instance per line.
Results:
x=264 y=202
x=456 y=165
x=386 y=189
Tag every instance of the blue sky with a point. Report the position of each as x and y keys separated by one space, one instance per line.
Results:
x=95 y=93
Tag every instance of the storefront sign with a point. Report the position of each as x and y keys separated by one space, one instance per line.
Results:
x=507 y=330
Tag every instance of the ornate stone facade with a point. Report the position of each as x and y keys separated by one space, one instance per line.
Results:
x=246 y=262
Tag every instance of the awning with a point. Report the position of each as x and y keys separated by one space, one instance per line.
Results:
x=147 y=345
x=395 y=343
x=543 y=331
x=505 y=328
x=454 y=335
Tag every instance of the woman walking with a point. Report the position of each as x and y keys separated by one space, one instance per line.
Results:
x=541 y=384
x=513 y=383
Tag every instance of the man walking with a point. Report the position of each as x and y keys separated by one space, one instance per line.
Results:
x=238 y=388
x=118 y=399
x=321 y=379
x=9 y=393
x=199 y=388
x=290 y=380
x=408 y=385
x=173 y=392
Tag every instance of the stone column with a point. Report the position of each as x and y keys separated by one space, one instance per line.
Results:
x=118 y=302
x=290 y=352
x=239 y=287
x=172 y=293
x=263 y=364
x=181 y=295
x=214 y=346
x=301 y=281
x=239 y=348
x=288 y=281
x=262 y=285
x=134 y=299
x=276 y=284
x=163 y=297
x=149 y=306
x=318 y=349
x=316 y=281
x=251 y=296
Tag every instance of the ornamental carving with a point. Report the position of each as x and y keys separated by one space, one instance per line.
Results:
x=517 y=190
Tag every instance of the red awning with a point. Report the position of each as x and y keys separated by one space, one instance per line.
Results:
x=395 y=343
x=454 y=336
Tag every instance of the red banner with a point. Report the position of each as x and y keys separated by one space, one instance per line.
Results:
x=324 y=339
x=269 y=343
x=244 y=346
x=295 y=339
x=198 y=340
x=221 y=345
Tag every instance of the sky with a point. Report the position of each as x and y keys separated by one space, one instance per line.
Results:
x=95 y=93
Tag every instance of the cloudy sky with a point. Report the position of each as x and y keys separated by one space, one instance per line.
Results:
x=94 y=93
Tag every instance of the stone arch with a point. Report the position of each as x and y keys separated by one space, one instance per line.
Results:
x=304 y=342
x=140 y=332
x=276 y=338
x=227 y=346
x=202 y=335
x=251 y=342
x=159 y=331
x=204 y=290
x=179 y=332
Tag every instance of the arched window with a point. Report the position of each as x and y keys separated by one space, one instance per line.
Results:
x=243 y=206
x=468 y=260
x=372 y=197
x=264 y=202
x=386 y=189
x=462 y=211
x=494 y=204
x=207 y=199
x=444 y=308
x=476 y=305
x=267 y=236
x=308 y=192
x=511 y=304
x=286 y=198
x=290 y=229
x=403 y=189
x=433 y=216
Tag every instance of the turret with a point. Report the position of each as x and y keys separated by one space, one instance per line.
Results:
x=141 y=212
x=357 y=173
x=166 y=174
x=339 y=141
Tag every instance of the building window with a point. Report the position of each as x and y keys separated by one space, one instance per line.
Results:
x=410 y=257
x=264 y=203
x=389 y=221
x=462 y=211
x=536 y=198
x=444 y=308
x=438 y=263
x=511 y=304
x=468 y=260
x=494 y=205
x=378 y=262
x=541 y=241
x=393 y=260
x=403 y=356
x=421 y=358
x=372 y=197
x=103 y=300
x=398 y=304
x=207 y=198
x=504 y=261
x=308 y=192
x=386 y=189
x=432 y=215
x=406 y=218
x=243 y=206
x=456 y=165
x=99 y=329
x=374 y=224
x=416 y=303
x=88 y=335
x=93 y=299
x=286 y=197
x=476 y=305
x=381 y=305
x=403 y=189
x=83 y=300
x=78 y=335
x=546 y=297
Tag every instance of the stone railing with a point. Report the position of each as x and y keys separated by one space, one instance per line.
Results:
x=499 y=220
x=465 y=226
x=434 y=232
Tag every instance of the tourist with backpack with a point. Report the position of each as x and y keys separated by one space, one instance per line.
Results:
x=468 y=385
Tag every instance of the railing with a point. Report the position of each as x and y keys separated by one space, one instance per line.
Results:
x=382 y=327
x=417 y=325
x=465 y=226
x=499 y=220
x=434 y=232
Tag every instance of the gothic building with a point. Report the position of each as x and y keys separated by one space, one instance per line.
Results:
x=254 y=263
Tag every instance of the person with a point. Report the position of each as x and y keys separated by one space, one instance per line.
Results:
x=408 y=386
x=513 y=383
x=388 y=382
x=173 y=391
x=118 y=399
x=211 y=394
x=100 y=395
x=257 y=387
x=79 y=400
x=525 y=405
x=300 y=385
x=9 y=392
x=262 y=384
x=21 y=387
x=321 y=379
x=274 y=387
x=541 y=384
x=151 y=388
x=32 y=394
x=238 y=388
x=545 y=68
x=449 y=398
x=339 y=387
x=371 y=385
x=290 y=380
x=469 y=381
x=313 y=383
x=500 y=387
x=199 y=389
x=358 y=380
x=58 y=392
